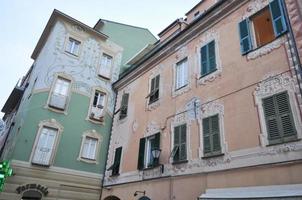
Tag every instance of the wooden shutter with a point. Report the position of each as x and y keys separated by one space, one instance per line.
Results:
x=183 y=142
x=212 y=57
x=211 y=136
x=279 y=119
x=117 y=160
x=204 y=60
x=245 y=37
x=156 y=145
x=277 y=13
x=141 y=154
x=286 y=119
x=176 y=156
x=154 y=92
x=124 y=105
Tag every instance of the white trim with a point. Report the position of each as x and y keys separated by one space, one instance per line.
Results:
x=208 y=110
x=206 y=38
x=271 y=191
x=95 y=135
x=273 y=85
x=52 y=123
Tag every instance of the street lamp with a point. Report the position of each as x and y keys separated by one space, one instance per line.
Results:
x=156 y=153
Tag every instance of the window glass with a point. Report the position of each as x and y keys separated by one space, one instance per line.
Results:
x=89 y=148
x=181 y=74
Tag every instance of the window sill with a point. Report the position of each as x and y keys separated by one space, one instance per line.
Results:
x=180 y=88
x=40 y=165
x=284 y=141
x=179 y=162
x=104 y=77
x=204 y=75
x=55 y=109
x=213 y=155
x=152 y=102
x=71 y=54
x=87 y=160
x=114 y=175
x=96 y=121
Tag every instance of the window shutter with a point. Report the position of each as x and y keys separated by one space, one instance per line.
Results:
x=212 y=56
x=215 y=134
x=183 y=141
x=176 y=143
x=277 y=13
x=271 y=119
x=124 y=105
x=117 y=160
x=206 y=135
x=204 y=60
x=156 y=146
x=284 y=110
x=141 y=154
x=245 y=37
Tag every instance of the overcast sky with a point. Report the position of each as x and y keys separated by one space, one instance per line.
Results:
x=22 y=22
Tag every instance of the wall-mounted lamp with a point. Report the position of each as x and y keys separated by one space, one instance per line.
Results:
x=156 y=153
x=142 y=192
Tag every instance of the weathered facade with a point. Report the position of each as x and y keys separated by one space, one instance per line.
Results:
x=59 y=118
x=219 y=97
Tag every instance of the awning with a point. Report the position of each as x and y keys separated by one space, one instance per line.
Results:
x=13 y=99
x=258 y=192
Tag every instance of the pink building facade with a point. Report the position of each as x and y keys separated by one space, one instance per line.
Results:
x=220 y=96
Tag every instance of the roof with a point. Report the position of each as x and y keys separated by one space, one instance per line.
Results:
x=132 y=38
x=52 y=20
x=194 y=7
x=170 y=26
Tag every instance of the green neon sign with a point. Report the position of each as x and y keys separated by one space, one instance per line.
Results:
x=5 y=171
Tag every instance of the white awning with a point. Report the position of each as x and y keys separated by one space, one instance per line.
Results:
x=272 y=191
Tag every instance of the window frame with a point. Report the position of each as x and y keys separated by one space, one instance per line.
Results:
x=186 y=79
x=51 y=124
x=75 y=40
x=174 y=150
x=151 y=93
x=104 y=109
x=94 y=135
x=100 y=74
x=51 y=91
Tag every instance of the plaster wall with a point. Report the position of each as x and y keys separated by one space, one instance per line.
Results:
x=203 y=6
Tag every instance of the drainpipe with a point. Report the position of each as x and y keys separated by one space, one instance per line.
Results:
x=294 y=46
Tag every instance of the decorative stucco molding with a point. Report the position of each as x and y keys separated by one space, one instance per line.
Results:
x=208 y=110
x=266 y=49
x=255 y=6
x=151 y=129
x=271 y=85
x=204 y=40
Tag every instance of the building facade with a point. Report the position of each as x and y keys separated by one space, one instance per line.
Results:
x=59 y=117
x=218 y=112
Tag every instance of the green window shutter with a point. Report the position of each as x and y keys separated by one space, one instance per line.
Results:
x=156 y=146
x=183 y=142
x=277 y=13
x=117 y=161
x=279 y=119
x=245 y=37
x=141 y=154
x=176 y=156
x=206 y=135
x=124 y=106
x=212 y=56
x=285 y=114
x=211 y=136
x=271 y=117
x=215 y=134
x=154 y=91
x=204 y=60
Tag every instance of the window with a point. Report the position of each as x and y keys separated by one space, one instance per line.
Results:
x=44 y=148
x=179 y=152
x=279 y=119
x=73 y=46
x=124 y=106
x=211 y=136
x=116 y=163
x=59 y=95
x=105 y=66
x=146 y=145
x=97 y=107
x=154 y=89
x=208 y=58
x=264 y=27
x=89 y=148
x=181 y=78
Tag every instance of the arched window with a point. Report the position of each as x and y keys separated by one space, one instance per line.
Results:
x=112 y=198
x=31 y=195
x=144 y=198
